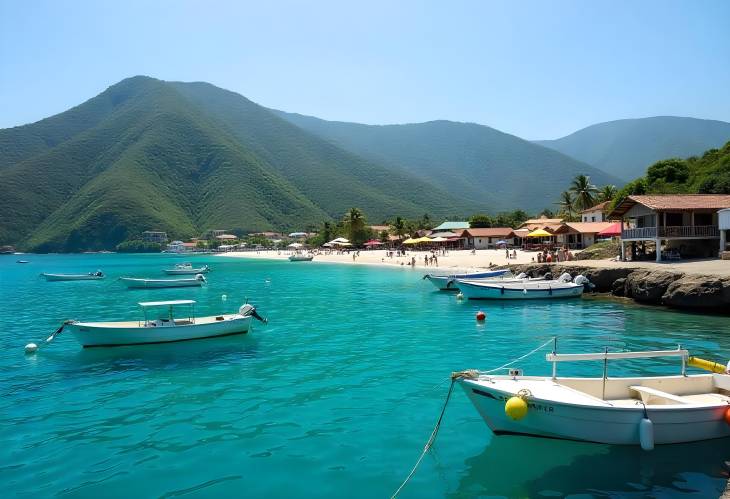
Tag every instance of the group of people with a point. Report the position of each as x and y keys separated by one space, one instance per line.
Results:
x=556 y=255
x=511 y=255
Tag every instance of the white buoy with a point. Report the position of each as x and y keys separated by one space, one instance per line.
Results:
x=646 y=434
x=224 y=297
x=31 y=348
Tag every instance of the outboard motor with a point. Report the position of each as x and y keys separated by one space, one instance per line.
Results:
x=565 y=277
x=521 y=275
x=548 y=276
x=200 y=277
x=581 y=279
x=249 y=309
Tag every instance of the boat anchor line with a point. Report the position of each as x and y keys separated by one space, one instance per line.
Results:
x=455 y=376
x=33 y=347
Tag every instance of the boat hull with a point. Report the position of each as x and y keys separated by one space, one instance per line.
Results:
x=186 y=271
x=515 y=291
x=448 y=282
x=71 y=277
x=100 y=334
x=607 y=425
x=133 y=283
x=295 y=258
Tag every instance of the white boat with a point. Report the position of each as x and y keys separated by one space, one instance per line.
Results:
x=137 y=283
x=448 y=282
x=523 y=289
x=167 y=328
x=633 y=410
x=187 y=269
x=301 y=257
x=91 y=276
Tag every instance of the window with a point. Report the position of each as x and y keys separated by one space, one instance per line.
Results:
x=593 y=219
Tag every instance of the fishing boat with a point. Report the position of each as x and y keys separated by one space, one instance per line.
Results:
x=448 y=282
x=523 y=289
x=169 y=326
x=140 y=283
x=91 y=276
x=632 y=410
x=187 y=269
x=301 y=257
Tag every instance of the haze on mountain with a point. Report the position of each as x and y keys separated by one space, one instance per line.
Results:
x=627 y=147
x=183 y=157
x=476 y=163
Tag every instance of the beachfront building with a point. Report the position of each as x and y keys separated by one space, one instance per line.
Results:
x=677 y=225
x=226 y=237
x=487 y=238
x=176 y=247
x=579 y=235
x=212 y=234
x=545 y=223
x=595 y=213
x=451 y=226
x=154 y=236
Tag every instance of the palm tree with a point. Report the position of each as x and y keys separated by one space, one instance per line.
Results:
x=607 y=193
x=398 y=227
x=566 y=203
x=354 y=222
x=584 y=192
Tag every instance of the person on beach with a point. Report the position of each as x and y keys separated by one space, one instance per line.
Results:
x=435 y=260
x=413 y=261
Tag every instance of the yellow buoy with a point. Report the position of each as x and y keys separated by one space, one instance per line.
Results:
x=516 y=408
x=707 y=365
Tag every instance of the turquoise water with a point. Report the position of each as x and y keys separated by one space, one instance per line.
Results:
x=335 y=397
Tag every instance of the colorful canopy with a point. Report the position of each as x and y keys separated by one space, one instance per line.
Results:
x=439 y=239
x=611 y=230
x=373 y=242
x=539 y=233
x=410 y=241
x=423 y=239
x=501 y=241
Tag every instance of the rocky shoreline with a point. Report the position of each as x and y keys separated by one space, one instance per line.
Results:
x=655 y=287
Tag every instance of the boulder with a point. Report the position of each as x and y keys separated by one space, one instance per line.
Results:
x=697 y=291
x=649 y=287
x=619 y=287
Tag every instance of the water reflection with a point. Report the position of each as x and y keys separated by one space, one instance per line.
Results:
x=514 y=466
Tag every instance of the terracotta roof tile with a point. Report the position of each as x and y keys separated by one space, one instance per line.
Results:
x=489 y=232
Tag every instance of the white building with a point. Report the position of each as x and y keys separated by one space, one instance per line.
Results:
x=595 y=213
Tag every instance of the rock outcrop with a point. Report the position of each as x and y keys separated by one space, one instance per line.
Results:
x=697 y=291
x=649 y=286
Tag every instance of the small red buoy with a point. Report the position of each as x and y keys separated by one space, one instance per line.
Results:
x=481 y=316
x=727 y=415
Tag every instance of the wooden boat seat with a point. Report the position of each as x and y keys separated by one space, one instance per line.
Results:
x=651 y=395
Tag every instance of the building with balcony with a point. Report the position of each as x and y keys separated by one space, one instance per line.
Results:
x=153 y=236
x=677 y=224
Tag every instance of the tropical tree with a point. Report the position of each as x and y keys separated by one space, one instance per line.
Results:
x=607 y=193
x=354 y=222
x=384 y=236
x=566 y=203
x=399 y=227
x=584 y=191
x=481 y=221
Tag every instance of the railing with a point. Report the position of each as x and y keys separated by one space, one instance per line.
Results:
x=672 y=231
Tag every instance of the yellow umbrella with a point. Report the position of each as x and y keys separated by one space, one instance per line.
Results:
x=410 y=241
x=539 y=233
x=423 y=239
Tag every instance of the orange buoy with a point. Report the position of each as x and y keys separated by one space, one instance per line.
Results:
x=481 y=316
x=727 y=415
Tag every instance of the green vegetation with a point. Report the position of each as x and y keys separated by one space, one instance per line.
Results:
x=490 y=170
x=706 y=174
x=138 y=246
x=183 y=158
x=582 y=195
x=600 y=251
x=624 y=147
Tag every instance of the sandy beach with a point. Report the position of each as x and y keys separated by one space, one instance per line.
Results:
x=464 y=261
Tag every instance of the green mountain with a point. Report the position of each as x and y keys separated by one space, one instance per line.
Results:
x=627 y=147
x=483 y=166
x=705 y=174
x=184 y=157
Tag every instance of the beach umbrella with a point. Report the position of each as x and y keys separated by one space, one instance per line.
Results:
x=295 y=245
x=539 y=233
x=373 y=242
x=410 y=241
x=439 y=239
x=611 y=230
x=501 y=241
x=423 y=239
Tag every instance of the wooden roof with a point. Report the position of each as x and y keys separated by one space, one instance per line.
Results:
x=673 y=202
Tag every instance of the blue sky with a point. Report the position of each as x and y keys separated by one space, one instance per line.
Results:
x=538 y=69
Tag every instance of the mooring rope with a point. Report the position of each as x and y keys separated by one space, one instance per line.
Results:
x=468 y=374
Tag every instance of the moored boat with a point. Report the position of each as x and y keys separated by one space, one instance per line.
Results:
x=632 y=411
x=187 y=269
x=448 y=282
x=523 y=289
x=301 y=257
x=166 y=328
x=91 y=276
x=141 y=283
